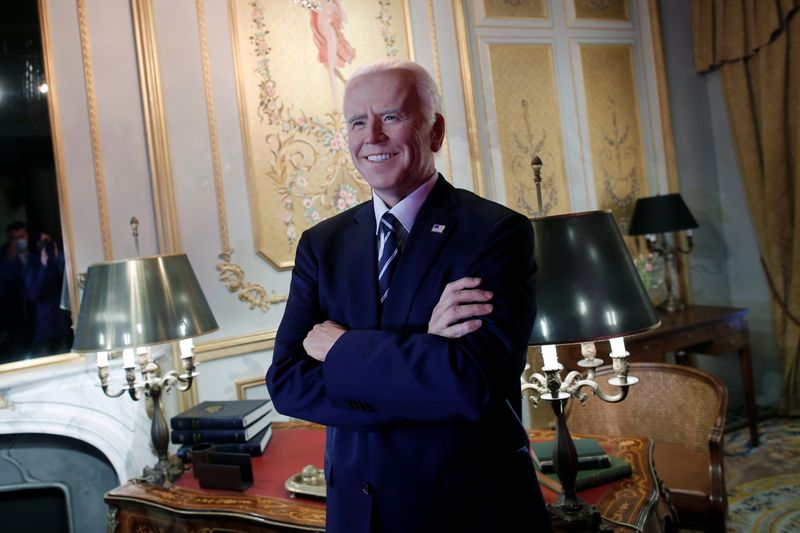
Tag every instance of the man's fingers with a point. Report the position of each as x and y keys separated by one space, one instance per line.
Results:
x=461 y=312
x=459 y=330
x=463 y=283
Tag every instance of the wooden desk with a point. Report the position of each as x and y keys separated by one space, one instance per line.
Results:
x=264 y=507
x=636 y=503
x=267 y=506
x=705 y=329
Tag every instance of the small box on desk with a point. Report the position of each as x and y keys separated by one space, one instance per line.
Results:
x=226 y=471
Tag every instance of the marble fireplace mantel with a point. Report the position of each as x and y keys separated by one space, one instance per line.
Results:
x=66 y=399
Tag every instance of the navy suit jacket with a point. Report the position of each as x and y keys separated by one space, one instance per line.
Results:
x=423 y=431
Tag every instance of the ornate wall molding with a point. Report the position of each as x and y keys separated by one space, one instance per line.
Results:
x=437 y=74
x=242 y=385
x=58 y=158
x=155 y=127
x=473 y=139
x=28 y=364
x=230 y=274
x=94 y=128
x=237 y=345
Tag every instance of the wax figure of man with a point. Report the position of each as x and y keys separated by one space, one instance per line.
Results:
x=420 y=391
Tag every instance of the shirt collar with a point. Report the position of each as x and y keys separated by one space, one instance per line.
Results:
x=406 y=209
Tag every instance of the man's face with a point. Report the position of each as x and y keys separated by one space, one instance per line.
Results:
x=391 y=142
x=18 y=234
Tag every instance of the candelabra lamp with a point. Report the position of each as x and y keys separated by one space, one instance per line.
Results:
x=128 y=307
x=587 y=290
x=655 y=216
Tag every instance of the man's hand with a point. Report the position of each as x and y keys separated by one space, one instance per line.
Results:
x=321 y=338
x=461 y=300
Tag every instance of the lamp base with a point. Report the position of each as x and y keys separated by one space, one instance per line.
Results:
x=576 y=516
x=672 y=304
x=163 y=473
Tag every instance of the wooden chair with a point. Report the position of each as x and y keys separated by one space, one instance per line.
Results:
x=683 y=410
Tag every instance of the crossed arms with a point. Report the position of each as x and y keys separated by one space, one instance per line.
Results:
x=470 y=350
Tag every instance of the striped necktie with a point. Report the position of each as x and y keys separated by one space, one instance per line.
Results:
x=388 y=252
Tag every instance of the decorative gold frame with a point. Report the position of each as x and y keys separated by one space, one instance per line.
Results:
x=61 y=185
x=665 y=116
x=94 y=128
x=470 y=102
x=155 y=122
x=299 y=170
x=249 y=383
x=232 y=346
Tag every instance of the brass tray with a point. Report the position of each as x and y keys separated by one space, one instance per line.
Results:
x=309 y=482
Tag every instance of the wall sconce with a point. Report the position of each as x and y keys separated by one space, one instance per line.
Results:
x=653 y=217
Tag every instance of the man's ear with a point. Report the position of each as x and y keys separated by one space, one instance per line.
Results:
x=437 y=133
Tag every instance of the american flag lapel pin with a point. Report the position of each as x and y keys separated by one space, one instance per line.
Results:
x=438 y=228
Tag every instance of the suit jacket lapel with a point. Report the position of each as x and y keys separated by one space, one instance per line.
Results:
x=432 y=228
x=361 y=267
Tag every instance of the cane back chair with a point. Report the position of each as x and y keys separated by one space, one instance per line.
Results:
x=683 y=410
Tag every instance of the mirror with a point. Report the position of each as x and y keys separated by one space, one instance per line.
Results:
x=34 y=316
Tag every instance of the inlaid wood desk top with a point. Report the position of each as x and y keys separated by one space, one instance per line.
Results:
x=267 y=505
x=633 y=503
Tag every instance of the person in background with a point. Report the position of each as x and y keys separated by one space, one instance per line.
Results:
x=16 y=312
x=44 y=276
x=405 y=333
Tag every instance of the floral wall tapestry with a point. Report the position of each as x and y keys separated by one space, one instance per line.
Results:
x=292 y=61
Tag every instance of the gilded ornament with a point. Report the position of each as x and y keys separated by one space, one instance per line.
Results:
x=232 y=276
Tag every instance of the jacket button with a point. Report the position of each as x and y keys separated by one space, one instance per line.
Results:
x=366 y=488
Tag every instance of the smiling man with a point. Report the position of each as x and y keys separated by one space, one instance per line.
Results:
x=405 y=333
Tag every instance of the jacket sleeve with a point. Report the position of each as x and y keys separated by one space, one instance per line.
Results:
x=296 y=381
x=418 y=376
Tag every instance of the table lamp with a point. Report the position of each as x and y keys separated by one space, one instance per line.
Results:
x=129 y=306
x=655 y=216
x=587 y=290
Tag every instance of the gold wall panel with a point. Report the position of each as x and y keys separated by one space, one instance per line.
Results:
x=614 y=129
x=601 y=9
x=515 y=8
x=528 y=124
x=291 y=65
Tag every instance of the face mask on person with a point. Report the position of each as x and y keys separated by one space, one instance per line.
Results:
x=22 y=244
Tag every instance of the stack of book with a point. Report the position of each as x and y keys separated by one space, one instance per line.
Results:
x=241 y=426
x=595 y=466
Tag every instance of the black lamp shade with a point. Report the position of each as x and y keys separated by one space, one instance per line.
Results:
x=587 y=286
x=661 y=214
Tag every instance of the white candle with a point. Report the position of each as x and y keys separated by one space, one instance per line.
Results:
x=186 y=348
x=127 y=358
x=102 y=359
x=618 y=346
x=550 y=357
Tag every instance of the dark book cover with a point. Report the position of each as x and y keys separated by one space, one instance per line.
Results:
x=254 y=446
x=230 y=414
x=587 y=479
x=590 y=455
x=220 y=436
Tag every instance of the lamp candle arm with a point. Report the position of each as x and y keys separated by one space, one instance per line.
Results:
x=133 y=388
x=569 y=511
x=103 y=374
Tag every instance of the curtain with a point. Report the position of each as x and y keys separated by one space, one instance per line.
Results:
x=755 y=44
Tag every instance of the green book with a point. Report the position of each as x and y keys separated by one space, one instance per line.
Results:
x=586 y=479
x=590 y=455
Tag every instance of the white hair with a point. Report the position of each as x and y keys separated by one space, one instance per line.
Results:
x=428 y=92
